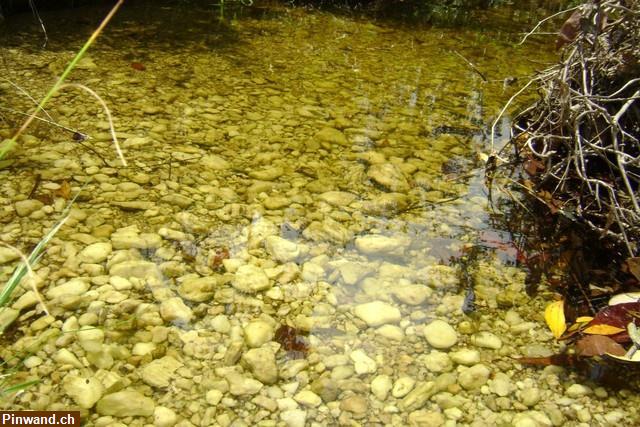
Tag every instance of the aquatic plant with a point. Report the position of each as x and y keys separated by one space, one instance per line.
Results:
x=9 y=144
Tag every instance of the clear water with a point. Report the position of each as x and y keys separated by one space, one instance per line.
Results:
x=325 y=130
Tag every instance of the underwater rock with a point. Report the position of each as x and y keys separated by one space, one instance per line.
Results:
x=125 y=403
x=73 y=287
x=174 y=310
x=95 y=253
x=388 y=176
x=362 y=363
x=239 y=385
x=332 y=136
x=465 y=356
x=258 y=332
x=158 y=373
x=8 y=255
x=135 y=268
x=486 y=339
x=198 y=289
x=308 y=398
x=402 y=386
x=337 y=198
x=282 y=250
x=411 y=294
x=377 y=313
x=269 y=174
x=294 y=417
x=262 y=364
x=439 y=334
x=474 y=377
x=381 y=386
x=178 y=199
x=375 y=244
x=355 y=404
x=213 y=162
x=250 y=279
x=27 y=207
x=164 y=417
x=84 y=391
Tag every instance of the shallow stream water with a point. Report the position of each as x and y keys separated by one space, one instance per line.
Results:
x=282 y=246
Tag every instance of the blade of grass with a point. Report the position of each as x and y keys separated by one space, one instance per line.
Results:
x=17 y=387
x=10 y=143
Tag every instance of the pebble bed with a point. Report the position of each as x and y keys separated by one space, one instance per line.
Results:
x=285 y=169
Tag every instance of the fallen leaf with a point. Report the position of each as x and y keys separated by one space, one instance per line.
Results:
x=602 y=329
x=614 y=319
x=554 y=316
x=64 y=191
x=596 y=345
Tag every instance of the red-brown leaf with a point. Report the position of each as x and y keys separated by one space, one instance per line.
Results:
x=619 y=315
x=596 y=345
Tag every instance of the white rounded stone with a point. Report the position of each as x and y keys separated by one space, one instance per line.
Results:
x=381 y=386
x=250 y=279
x=440 y=334
x=377 y=313
x=95 y=253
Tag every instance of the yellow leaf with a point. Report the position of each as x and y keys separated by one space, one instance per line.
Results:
x=554 y=316
x=602 y=329
x=584 y=319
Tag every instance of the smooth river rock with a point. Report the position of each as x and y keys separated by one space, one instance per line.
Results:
x=125 y=403
x=440 y=334
x=377 y=313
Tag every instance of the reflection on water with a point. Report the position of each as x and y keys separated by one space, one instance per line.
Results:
x=298 y=182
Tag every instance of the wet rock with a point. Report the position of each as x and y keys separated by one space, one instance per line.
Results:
x=84 y=391
x=388 y=176
x=386 y=204
x=377 y=313
x=138 y=205
x=213 y=397
x=178 y=200
x=257 y=333
x=501 y=384
x=353 y=272
x=95 y=253
x=282 y=250
x=578 y=390
x=129 y=238
x=125 y=403
x=158 y=373
x=355 y=404
x=422 y=392
x=291 y=368
x=530 y=396
x=239 y=385
x=362 y=363
x=437 y=361
x=326 y=388
x=269 y=174
x=164 y=417
x=328 y=230
x=337 y=198
x=381 y=245
x=8 y=255
x=412 y=294
x=73 y=287
x=276 y=202
x=402 y=386
x=213 y=162
x=465 y=356
x=486 y=340
x=174 y=310
x=250 y=279
x=198 y=289
x=294 y=417
x=27 y=207
x=381 y=386
x=308 y=398
x=65 y=357
x=262 y=363
x=425 y=418
x=7 y=317
x=332 y=136
x=135 y=268
x=474 y=377
x=530 y=418
x=391 y=332
x=439 y=334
